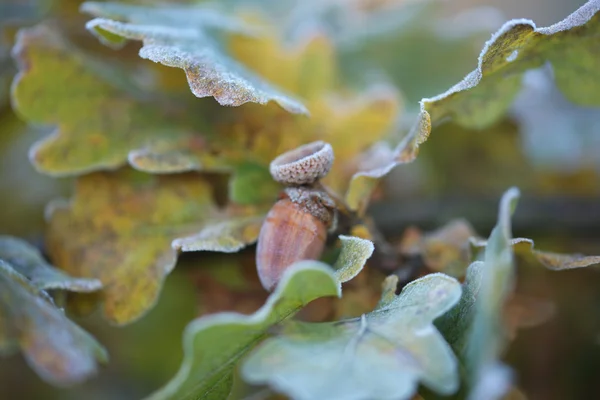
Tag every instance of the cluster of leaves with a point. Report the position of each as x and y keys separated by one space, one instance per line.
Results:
x=57 y=349
x=149 y=161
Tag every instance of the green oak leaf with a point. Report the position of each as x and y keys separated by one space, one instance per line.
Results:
x=381 y=159
x=381 y=355
x=28 y=261
x=11 y=16
x=486 y=94
x=370 y=38
x=455 y=324
x=558 y=261
x=186 y=37
x=487 y=337
x=59 y=351
x=99 y=125
x=119 y=228
x=228 y=236
x=214 y=343
x=235 y=233
x=354 y=254
x=308 y=70
x=551 y=260
x=474 y=328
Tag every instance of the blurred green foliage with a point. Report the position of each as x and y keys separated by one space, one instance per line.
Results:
x=527 y=116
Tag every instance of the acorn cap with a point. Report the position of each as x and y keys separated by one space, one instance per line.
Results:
x=303 y=165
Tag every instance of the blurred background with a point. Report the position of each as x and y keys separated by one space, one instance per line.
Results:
x=547 y=147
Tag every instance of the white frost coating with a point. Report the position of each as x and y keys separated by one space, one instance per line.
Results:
x=350 y=362
x=303 y=165
x=473 y=78
x=512 y=56
x=451 y=293
x=147 y=160
x=577 y=18
x=420 y=130
x=425 y=331
x=210 y=72
x=28 y=261
x=224 y=237
x=508 y=203
x=140 y=32
x=388 y=160
x=355 y=253
x=494 y=383
x=567 y=261
x=224 y=318
x=175 y=15
x=378 y=161
x=36 y=152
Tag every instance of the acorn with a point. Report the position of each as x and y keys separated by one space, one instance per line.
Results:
x=296 y=226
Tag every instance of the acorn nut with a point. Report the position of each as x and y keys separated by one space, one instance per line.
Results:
x=296 y=226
